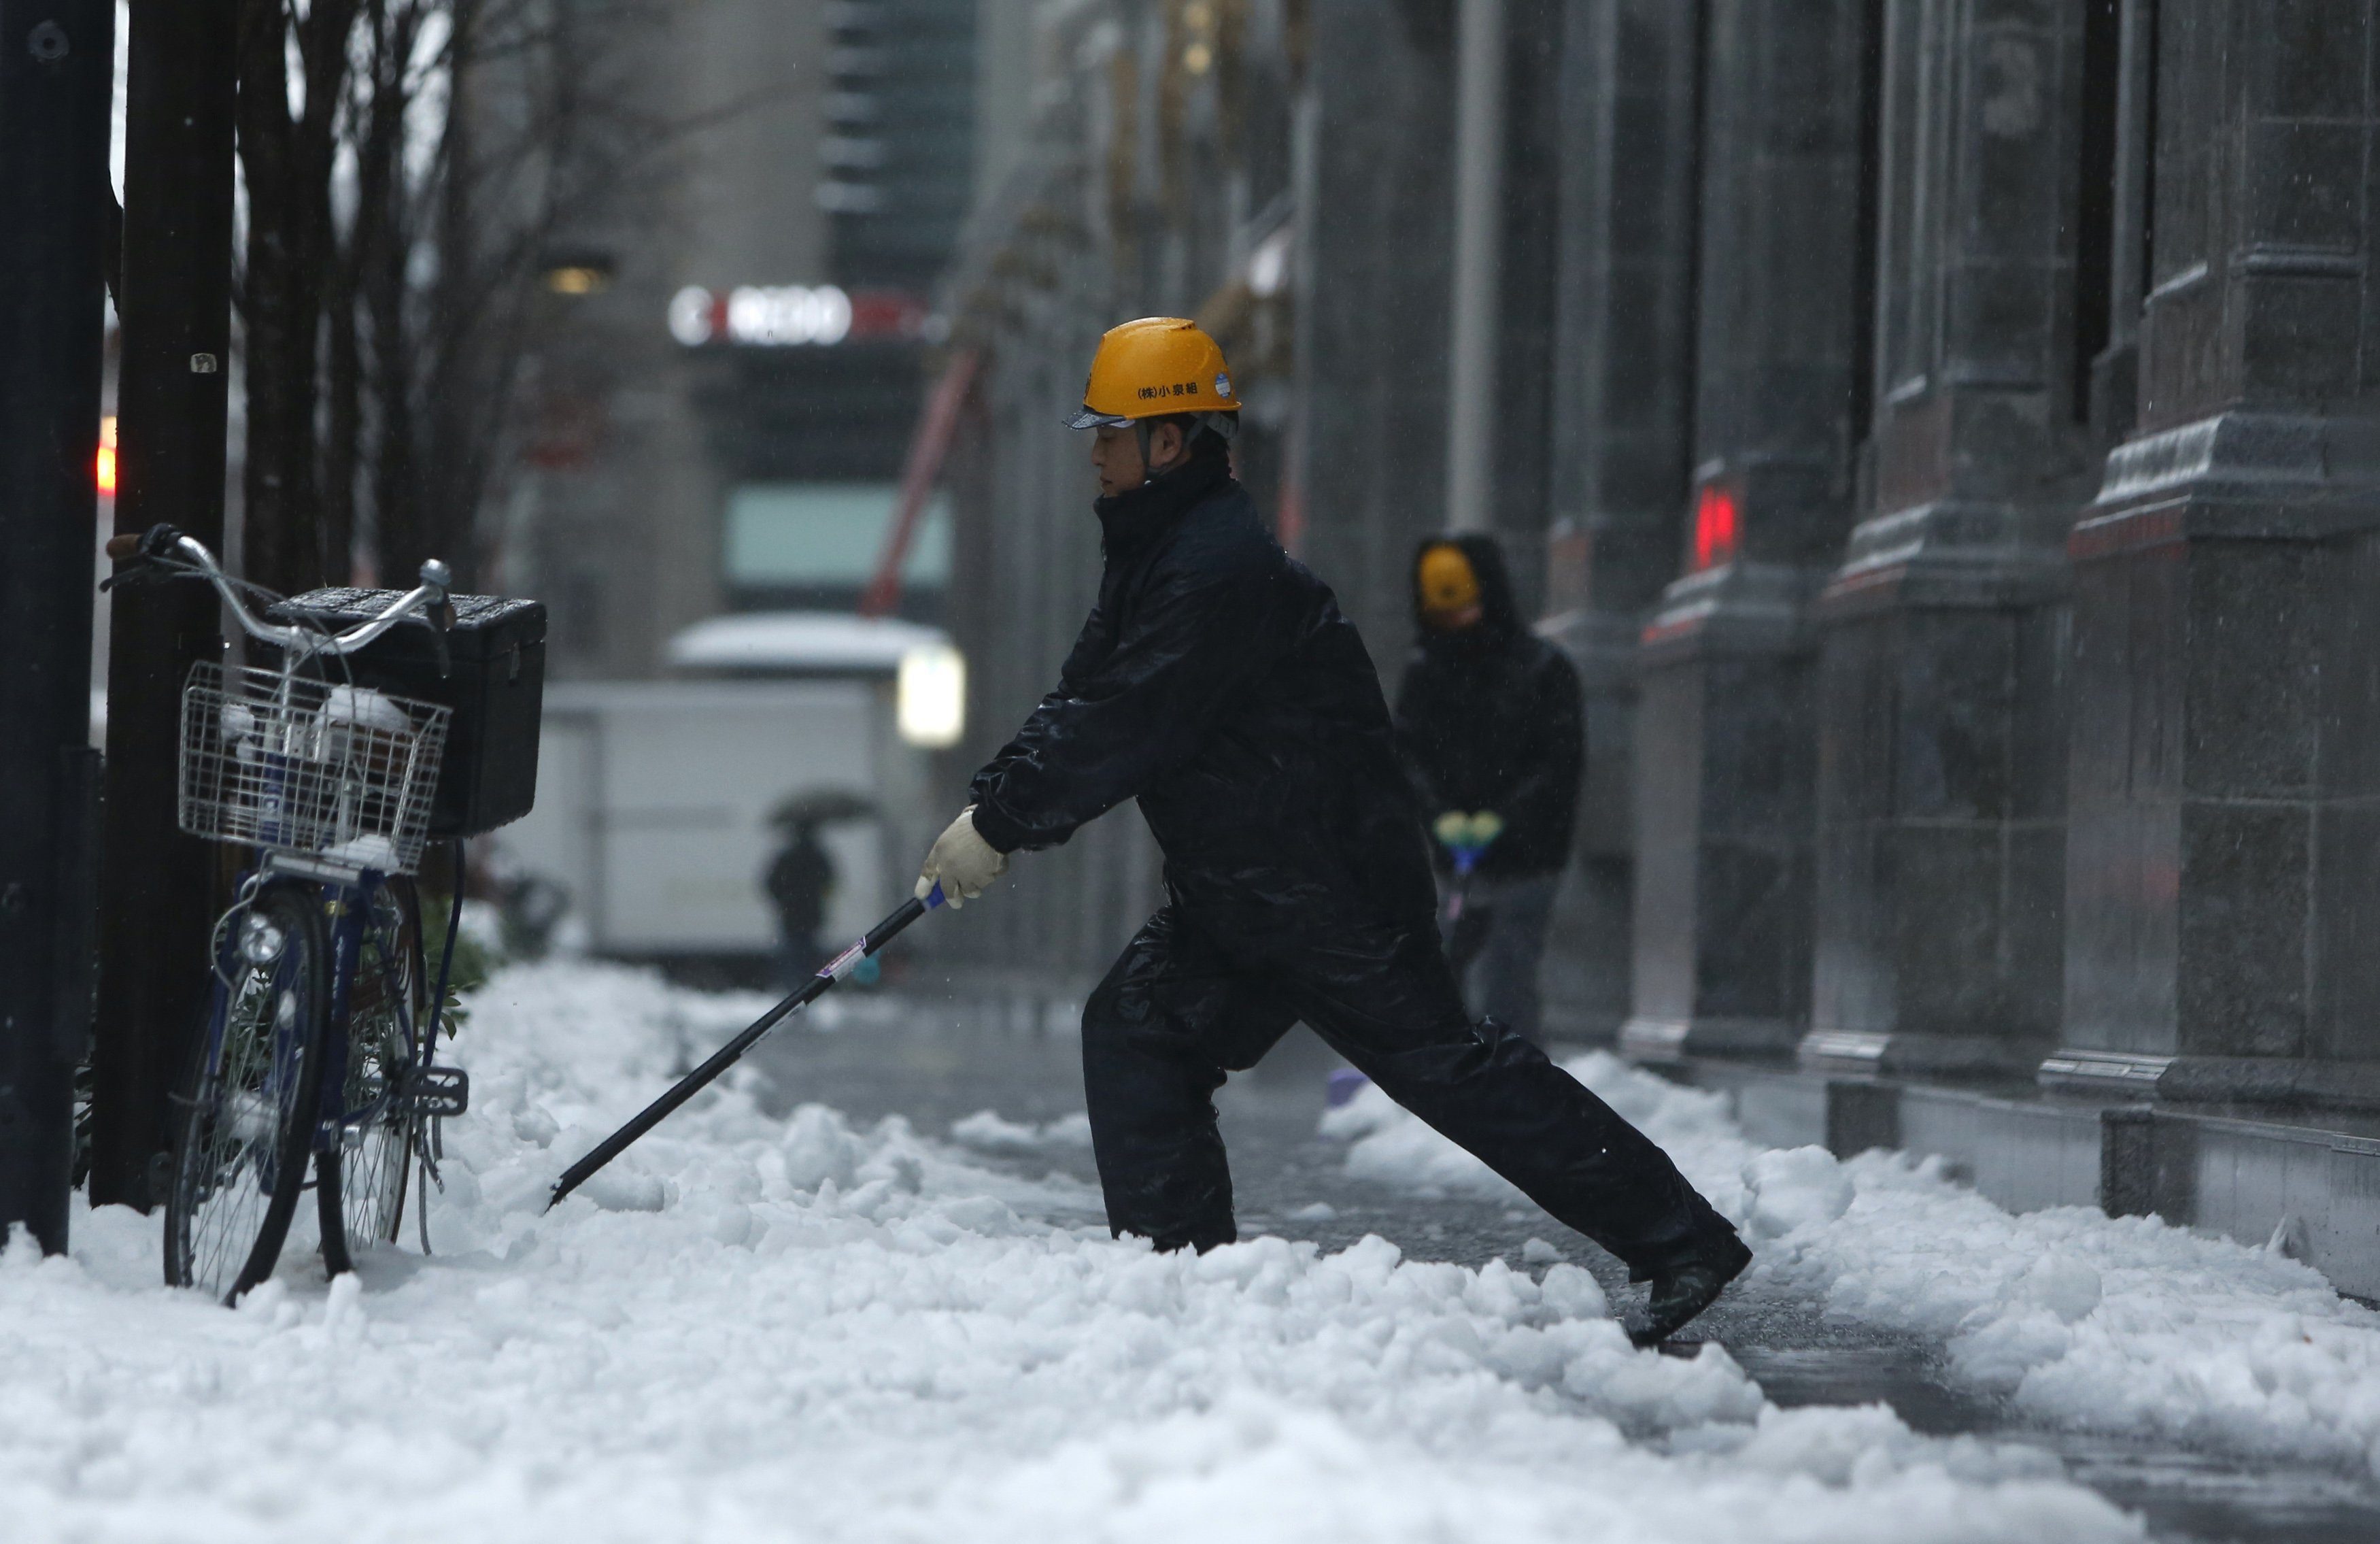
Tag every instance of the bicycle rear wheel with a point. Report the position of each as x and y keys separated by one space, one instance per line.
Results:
x=360 y=1175
x=244 y=1121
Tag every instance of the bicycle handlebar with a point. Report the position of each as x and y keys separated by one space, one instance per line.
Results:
x=165 y=545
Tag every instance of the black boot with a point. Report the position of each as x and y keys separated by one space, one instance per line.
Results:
x=1679 y=1295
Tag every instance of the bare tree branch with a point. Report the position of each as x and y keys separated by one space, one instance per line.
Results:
x=399 y=223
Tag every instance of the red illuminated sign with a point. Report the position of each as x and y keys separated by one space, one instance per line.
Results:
x=1715 y=525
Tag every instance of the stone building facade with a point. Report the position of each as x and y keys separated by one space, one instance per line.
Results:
x=2223 y=873
x=2003 y=740
x=2008 y=717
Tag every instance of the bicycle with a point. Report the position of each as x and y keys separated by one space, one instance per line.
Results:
x=322 y=1024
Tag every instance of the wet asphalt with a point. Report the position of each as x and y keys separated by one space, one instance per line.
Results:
x=935 y=1059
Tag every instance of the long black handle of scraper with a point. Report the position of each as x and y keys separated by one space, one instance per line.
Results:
x=726 y=1056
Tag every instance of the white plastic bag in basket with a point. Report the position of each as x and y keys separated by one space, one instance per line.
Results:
x=366 y=708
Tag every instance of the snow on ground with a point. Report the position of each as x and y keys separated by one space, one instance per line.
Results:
x=2120 y=1325
x=759 y=1330
x=985 y=1131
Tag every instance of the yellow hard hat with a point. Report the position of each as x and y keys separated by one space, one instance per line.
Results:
x=1448 y=582
x=1153 y=367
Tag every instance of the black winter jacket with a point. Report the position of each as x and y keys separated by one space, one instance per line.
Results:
x=1490 y=718
x=1217 y=682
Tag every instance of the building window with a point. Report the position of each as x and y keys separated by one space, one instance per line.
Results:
x=816 y=544
x=2094 y=210
x=1868 y=227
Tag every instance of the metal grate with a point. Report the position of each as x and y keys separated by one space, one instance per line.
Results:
x=338 y=772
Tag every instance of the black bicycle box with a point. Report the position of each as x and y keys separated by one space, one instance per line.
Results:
x=494 y=682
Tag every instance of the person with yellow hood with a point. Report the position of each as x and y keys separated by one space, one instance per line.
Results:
x=1217 y=683
x=1492 y=729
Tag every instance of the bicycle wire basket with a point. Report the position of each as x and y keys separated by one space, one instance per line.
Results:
x=322 y=768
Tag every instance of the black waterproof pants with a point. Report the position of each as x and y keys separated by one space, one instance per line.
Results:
x=1188 y=1003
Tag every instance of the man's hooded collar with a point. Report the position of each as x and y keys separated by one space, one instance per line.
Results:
x=1132 y=519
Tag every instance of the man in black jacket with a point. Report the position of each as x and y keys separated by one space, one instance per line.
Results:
x=1491 y=726
x=1217 y=682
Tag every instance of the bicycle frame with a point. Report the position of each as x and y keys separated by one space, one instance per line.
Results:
x=353 y=908
x=351 y=904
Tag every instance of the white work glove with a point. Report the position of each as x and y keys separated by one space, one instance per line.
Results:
x=962 y=862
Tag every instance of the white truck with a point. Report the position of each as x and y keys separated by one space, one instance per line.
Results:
x=654 y=799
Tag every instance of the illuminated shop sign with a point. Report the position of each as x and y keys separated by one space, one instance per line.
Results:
x=789 y=316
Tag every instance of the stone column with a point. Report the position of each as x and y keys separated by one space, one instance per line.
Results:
x=2223 y=856
x=1622 y=349
x=1941 y=758
x=1372 y=327
x=1726 y=738
x=1374 y=333
x=1528 y=289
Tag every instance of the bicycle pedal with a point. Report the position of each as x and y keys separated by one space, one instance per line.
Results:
x=438 y=1091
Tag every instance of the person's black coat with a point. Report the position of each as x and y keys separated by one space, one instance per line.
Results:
x=1490 y=718
x=1217 y=682
x=800 y=878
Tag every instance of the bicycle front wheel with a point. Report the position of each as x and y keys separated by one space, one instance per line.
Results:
x=360 y=1175
x=243 y=1120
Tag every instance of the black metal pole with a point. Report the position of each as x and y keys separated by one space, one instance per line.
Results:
x=733 y=1051
x=157 y=885
x=57 y=78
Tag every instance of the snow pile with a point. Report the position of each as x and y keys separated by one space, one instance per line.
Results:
x=2121 y=1325
x=985 y=1131
x=753 y=1329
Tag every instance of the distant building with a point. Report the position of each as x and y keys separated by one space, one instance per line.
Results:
x=729 y=368
x=898 y=153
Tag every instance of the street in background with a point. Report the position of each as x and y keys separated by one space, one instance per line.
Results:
x=655 y=798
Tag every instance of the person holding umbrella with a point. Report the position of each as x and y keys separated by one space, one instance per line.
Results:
x=800 y=878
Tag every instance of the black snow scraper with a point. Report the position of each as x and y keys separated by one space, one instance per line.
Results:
x=727 y=1055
